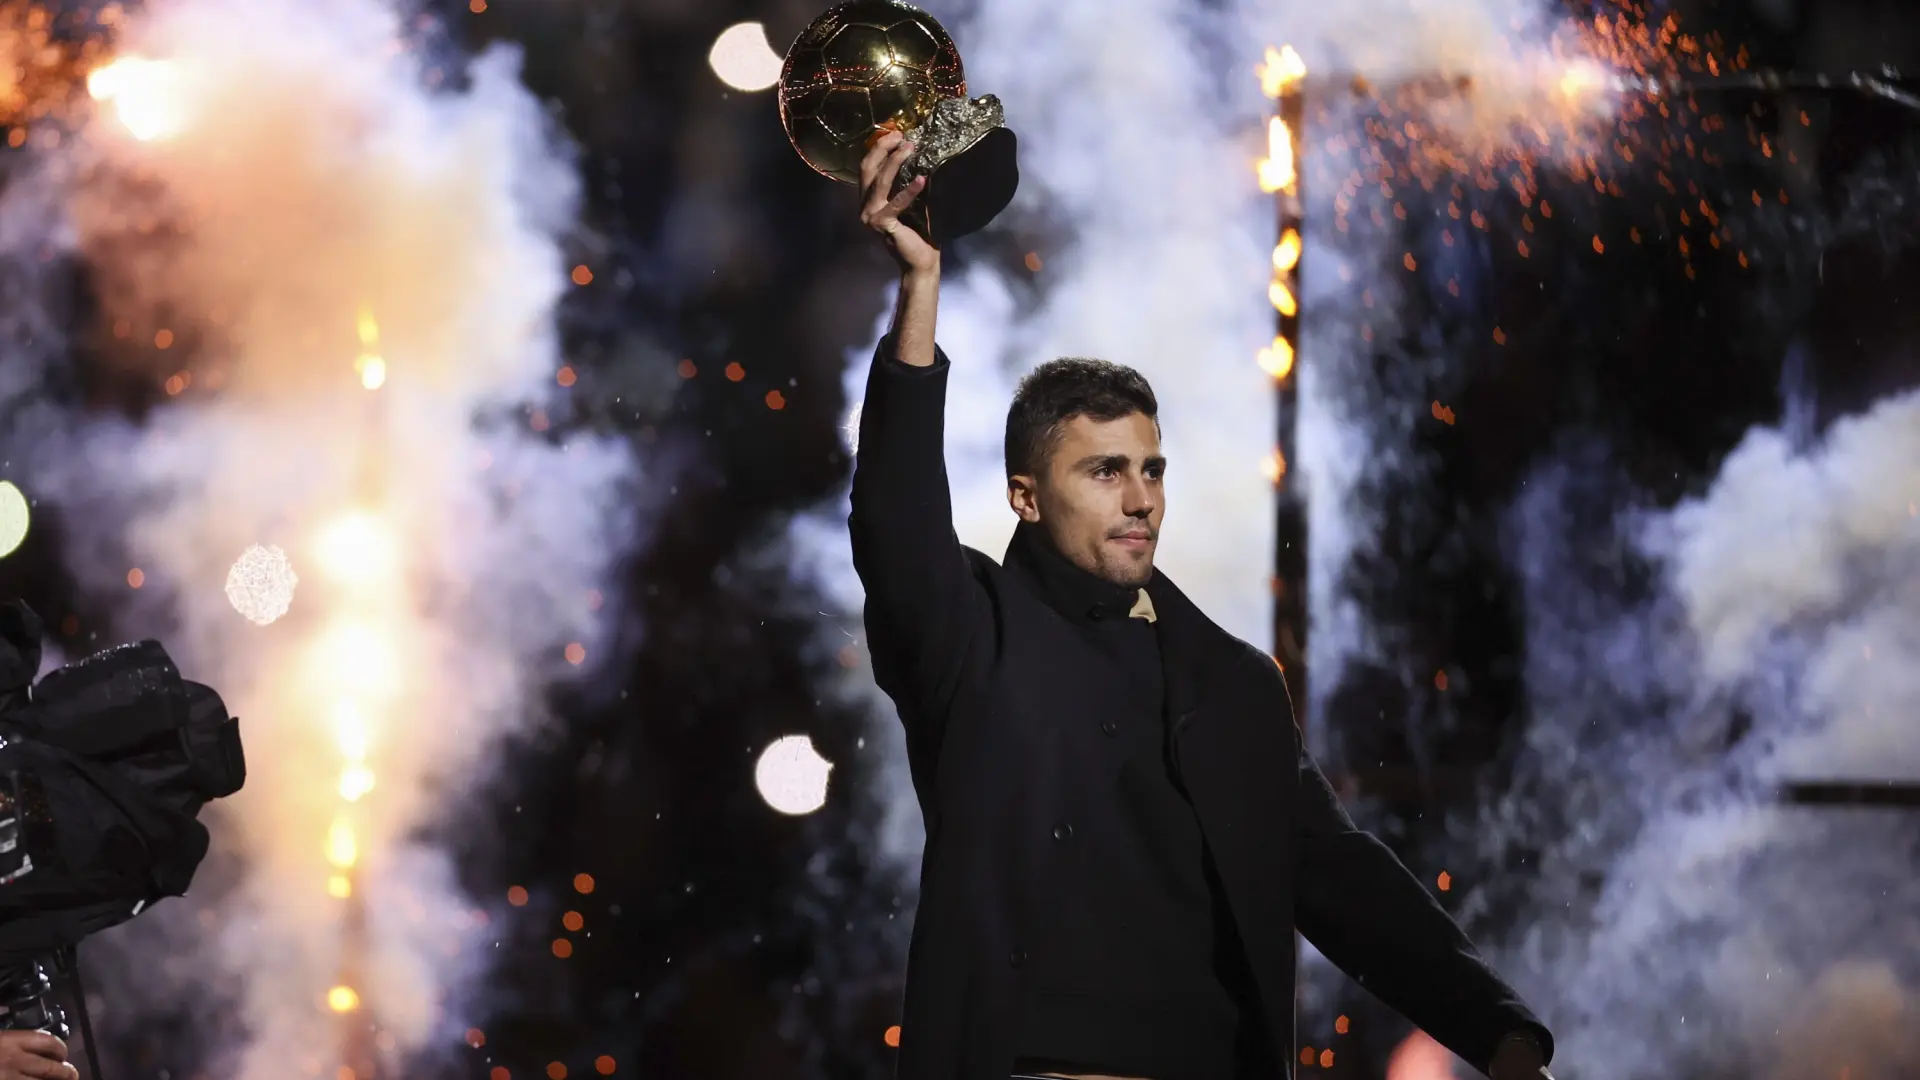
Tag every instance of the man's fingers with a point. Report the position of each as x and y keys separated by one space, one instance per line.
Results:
x=899 y=203
x=878 y=204
x=44 y=1043
x=875 y=158
x=42 y=1068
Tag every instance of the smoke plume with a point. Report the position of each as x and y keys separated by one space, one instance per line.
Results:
x=342 y=261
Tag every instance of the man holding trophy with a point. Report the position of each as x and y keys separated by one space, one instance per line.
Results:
x=1123 y=830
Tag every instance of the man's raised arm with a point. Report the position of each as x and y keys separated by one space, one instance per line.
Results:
x=927 y=615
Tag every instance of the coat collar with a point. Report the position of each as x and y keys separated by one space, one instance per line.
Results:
x=1194 y=651
x=1077 y=595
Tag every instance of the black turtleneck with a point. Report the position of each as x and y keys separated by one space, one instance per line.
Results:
x=1143 y=974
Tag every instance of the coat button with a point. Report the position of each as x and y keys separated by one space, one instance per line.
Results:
x=1063 y=832
x=1019 y=957
x=1109 y=727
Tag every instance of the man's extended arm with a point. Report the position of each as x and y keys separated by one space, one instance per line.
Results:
x=1368 y=914
x=925 y=612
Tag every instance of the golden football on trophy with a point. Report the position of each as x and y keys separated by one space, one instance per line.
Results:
x=867 y=67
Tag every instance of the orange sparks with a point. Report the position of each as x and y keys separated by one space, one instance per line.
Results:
x=776 y=400
x=687 y=369
x=562 y=948
x=1409 y=262
x=136 y=578
x=1598 y=247
x=1440 y=680
x=517 y=896
x=892 y=1035
x=476 y=1038
x=583 y=883
x=1444 y=881
x=1499 y=336
x=556 y=1070
x=1342 y=1025
x=477 y=6
x=565 y=376
x=1442 y=413
x=1032 y=262
x=735 y=372
x=576 y=654
x=604 y=1065
x=573 y=921
x=582 y=275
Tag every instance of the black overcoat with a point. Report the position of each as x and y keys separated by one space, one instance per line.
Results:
x=1000 y=696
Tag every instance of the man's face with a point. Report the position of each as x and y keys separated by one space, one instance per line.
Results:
x=1099 y=497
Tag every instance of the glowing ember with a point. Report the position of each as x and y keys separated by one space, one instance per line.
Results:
x=1281 y=69
x=1277 y=358
x=342 y=999
x=260 y=584
x=357 y=549
x=1282 y=298
x=1276 y=169
x=355 y=781
x=1286 y=254
x=341 y=848
x=147 y=96
x=1275 y=467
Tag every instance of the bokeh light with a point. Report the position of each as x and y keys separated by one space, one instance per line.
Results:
x=14 y=518
x=260 y=584
x=148 y=97
x=743 y=58
x=792 y=776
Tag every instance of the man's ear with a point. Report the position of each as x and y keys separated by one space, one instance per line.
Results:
x=1024 y=498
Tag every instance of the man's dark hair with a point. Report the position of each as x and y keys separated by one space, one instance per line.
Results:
x=1058 y=391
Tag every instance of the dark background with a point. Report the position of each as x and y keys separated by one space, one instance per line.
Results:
x=728 y=941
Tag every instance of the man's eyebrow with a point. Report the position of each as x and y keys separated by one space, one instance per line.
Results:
x=1117 y=461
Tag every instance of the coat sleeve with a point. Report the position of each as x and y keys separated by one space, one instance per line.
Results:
x=1361 y=907
x=927 y=615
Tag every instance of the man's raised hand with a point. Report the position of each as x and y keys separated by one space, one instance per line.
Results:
x=881 y=213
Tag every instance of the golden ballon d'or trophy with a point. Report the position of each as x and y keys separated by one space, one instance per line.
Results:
x=867 y=67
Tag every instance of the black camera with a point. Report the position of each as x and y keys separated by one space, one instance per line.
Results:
x=104 y=766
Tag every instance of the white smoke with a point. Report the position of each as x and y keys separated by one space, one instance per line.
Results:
x=287 y=193
x=1776 y=932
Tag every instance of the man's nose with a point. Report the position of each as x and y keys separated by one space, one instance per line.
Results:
x=1137 y=499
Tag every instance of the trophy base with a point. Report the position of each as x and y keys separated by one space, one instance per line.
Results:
x=969 y=189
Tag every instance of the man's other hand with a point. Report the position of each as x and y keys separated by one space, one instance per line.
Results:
x=1519 y=1057
x=34 y=1055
